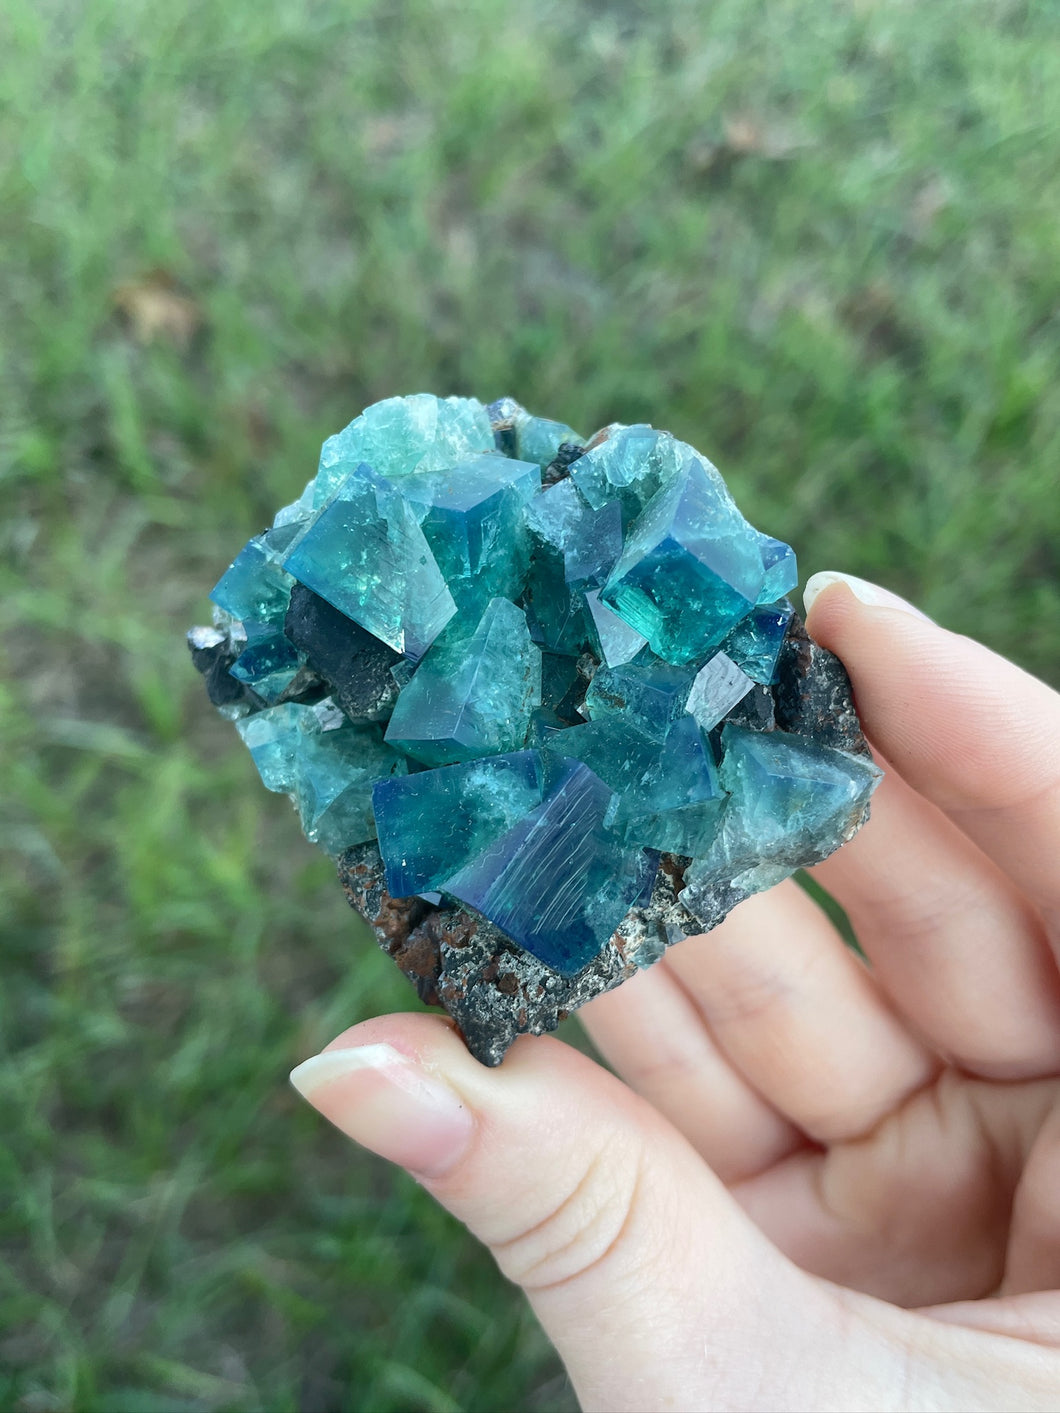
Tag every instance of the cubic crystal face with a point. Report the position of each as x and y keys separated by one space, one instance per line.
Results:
x=690 y=568
x=472 y=695
x=365 y=552
x=559 y=881
x=543 y=698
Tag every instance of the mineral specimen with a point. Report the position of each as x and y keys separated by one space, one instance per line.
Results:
x=542 y=698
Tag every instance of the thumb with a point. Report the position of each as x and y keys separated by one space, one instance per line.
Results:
x=654 y=1287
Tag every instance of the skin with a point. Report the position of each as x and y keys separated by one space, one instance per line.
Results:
x=813 y=1182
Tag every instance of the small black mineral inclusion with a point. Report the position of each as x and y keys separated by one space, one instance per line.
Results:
x=543 y=699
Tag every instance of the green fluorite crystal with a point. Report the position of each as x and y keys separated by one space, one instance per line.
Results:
x=325 y=763
x=755 y=643
x=558 y=681
x=365 y=552
x=254 y=587
x=474 y=517
x=473 y=693
x=430 y=824
x=404 y=434
x=628 y=467
x=647 y=693
x=269 y=663
x=789 y=802
x=690 y=568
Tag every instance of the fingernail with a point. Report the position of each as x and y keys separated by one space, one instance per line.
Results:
x=871 y=594
x=386 y=1102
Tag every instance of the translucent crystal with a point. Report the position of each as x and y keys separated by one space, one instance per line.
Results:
x=328 y=770
x=563 y=685
x=556 y=611
x=472 y=517
x=273 y=739
x=781 y=571
x=615 y=640
x=334 y=775
x=404 y=434
x=690 y=568
x=755 y=643
x=613 y=748
x=473 y=693
x=517 y=433
x=559 y=881
x=254 y=586
x=676 y=806
x=269 y=663
x=651 y=695
x=791 y=801
x=628 y=468
x=589 y=540
x=365 y=552
x=538 y=439
x=717 y=688
x=434 y=822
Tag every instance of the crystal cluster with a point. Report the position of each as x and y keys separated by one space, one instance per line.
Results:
x=544 y=699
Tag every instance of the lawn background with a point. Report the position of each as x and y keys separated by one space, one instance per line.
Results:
x=819 y=240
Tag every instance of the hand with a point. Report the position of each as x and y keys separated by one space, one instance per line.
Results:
x=823 y=1184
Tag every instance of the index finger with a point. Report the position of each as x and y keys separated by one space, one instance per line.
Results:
x=966 y=728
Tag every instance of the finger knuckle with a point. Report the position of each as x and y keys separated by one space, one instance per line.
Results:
x=583 y=1230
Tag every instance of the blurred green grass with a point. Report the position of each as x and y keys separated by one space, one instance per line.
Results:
x=817 y=239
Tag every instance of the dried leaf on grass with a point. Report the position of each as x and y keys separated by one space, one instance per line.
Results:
x=157 y=310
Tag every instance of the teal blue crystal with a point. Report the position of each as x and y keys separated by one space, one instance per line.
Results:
x=472 y=516
x=545 y=725
x=269 y=663
x=690 y=569
x=327 y=765
x=334 y=775
x=615 y=642
x=538 y=439
x=254 y=586
x=365 y=552
x=555 y=610
x=562 y=685
x=666 y=794
x=404 y=434
x=649 y=694
x=473 y=693
x=790 y=801
x=755 y=643
x=273 y=739
x=781 y=571
x=629 y=467
x=613 y=748
x=589 y=540
x=559 y=881
x=518 y=433
x=434 y=822
x=677 y=804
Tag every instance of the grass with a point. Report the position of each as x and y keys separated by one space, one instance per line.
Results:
x=817 y=239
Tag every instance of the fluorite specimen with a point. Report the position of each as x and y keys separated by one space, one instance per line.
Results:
x=543 y=699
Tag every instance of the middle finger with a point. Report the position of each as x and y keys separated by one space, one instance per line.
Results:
x=958 y=950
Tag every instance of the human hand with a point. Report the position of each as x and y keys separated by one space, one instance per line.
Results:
x=823 y=1185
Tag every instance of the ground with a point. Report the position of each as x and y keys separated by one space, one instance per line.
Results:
x=816 y=239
